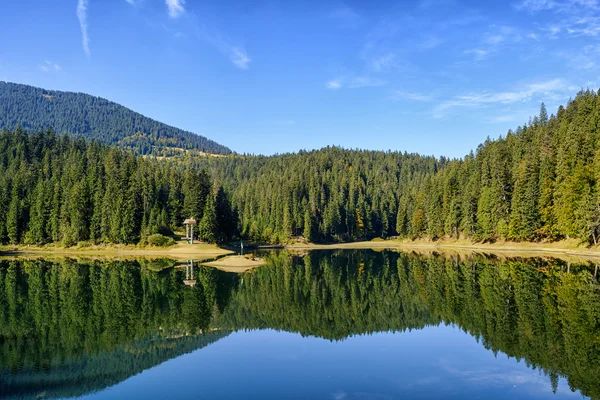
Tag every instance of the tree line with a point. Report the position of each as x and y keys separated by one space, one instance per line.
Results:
x=537 y=182
x=55 y=189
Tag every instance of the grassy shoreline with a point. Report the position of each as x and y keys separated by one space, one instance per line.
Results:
x=559 y=249
x=203 y=251
x=178 y=251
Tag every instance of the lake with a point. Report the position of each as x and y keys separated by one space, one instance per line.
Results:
x=354 y=324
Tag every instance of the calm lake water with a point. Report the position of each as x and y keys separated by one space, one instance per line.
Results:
x=325 y=325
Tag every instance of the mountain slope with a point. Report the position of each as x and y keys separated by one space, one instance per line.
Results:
x=95 y=118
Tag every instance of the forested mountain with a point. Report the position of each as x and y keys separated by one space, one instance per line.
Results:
x=540 y=181
x=92 y=117
x=58 y=189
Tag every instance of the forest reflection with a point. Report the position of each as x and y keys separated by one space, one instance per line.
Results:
x=71 y=327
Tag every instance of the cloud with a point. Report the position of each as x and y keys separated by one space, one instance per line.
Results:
x=82 y=17
x=50 y=66
x=239 y=58
x=545 y=90
x=536 y=5
x=496 y=38
x=479 y=54
x=383 y=63
x=132 y=2
x=354 y=82
x=559 y=5
x=175 y=7
x=573 y=17
x=362 y=81
x=334 y=84
x=582 y=59
x=236 y=54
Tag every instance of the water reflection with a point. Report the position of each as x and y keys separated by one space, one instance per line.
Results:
x=70 y=328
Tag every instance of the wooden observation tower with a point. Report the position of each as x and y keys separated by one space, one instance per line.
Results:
x=189 y=230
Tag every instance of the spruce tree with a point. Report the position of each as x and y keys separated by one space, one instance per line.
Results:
x=207 y=228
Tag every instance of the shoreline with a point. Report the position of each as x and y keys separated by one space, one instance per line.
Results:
x=515 y=249
x=202 y=251
x=180 y=251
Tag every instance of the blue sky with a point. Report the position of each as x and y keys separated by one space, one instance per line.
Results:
x=428 y=76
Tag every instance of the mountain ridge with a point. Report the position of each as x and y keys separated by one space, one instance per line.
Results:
x=94 y=118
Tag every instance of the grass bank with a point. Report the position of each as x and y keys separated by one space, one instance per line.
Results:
x=567 y=249
x=181 y=250
x=560 y=249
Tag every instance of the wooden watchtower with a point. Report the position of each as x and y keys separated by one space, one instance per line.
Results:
x=189 y=230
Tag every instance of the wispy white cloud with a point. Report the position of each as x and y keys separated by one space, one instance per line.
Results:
x=492 y=41
x=478 y=54
x=585 y=58
x=383 y=63
x=239 y=58
x=339 y=396
x=354 y=82
x=236 y=54
x=573 y=17
x=365 y=81
x=542 y=91
x=132 y=2
x=48 y=66
x=560 y=5
x=82 y=17
x=196 y=28
x=334 y=84
x=175 y=7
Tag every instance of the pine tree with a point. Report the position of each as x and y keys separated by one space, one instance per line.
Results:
x=524 y=219
x=13 y=220
x=543 y=118
x=207 y=228
x=226 y=217
x=308 y=226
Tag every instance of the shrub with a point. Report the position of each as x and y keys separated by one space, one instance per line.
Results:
x=160 y=240
x=87 y=243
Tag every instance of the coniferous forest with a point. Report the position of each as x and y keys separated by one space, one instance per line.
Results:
x=57 y=189
x=538 y=182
